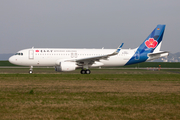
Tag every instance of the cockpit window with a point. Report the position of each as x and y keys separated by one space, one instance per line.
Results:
x=19 y=54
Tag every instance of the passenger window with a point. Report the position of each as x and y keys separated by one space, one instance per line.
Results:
x=21 y=53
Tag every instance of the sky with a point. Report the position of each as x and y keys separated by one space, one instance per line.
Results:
x=86 y=23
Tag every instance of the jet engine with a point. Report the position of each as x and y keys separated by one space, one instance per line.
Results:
x=65 y=66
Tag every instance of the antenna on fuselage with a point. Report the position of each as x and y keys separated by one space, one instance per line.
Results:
x=33 y=47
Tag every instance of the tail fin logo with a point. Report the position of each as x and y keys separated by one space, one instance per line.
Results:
x=151 y=43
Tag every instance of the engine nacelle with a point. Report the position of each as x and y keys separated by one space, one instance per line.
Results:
x=65 y=66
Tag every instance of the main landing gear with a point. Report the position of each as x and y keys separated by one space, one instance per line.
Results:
x=85 y=71
x=31 y=70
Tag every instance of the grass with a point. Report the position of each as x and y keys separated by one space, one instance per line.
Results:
x=156 y=64
x=135 y=94
x=93 y=71
x=141 y=65
x=6 y=63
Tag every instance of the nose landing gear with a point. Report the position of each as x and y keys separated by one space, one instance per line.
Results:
x=31 y=70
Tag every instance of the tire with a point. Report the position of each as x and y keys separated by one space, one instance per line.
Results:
x=88 y=71
x=83 y=72
x=30 y=71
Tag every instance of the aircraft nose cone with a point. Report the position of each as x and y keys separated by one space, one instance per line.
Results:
x=11 y=60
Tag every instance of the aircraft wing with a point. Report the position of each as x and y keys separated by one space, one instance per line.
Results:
x=91 y=60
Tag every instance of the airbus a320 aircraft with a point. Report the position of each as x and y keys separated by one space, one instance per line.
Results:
x=71 y=59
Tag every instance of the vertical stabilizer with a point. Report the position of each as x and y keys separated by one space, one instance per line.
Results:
x=153 y=41
x=151 y=44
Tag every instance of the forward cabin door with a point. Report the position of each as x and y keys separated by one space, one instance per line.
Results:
x=31 y=54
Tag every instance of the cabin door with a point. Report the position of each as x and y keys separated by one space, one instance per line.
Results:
x=31 y=54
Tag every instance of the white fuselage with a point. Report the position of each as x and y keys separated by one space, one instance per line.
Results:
x=52 y=57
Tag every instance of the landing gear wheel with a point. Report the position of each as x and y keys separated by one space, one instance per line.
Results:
x=30 y=71
x=88 y=71
x=83 y=72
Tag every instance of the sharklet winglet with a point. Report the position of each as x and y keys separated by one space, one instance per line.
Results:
x=118 y=49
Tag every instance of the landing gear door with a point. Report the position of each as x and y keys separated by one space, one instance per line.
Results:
x=31 y=54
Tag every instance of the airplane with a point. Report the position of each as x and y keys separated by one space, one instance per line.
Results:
x=70 y=59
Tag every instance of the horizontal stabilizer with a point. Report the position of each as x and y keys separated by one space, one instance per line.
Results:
x=157 y=55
